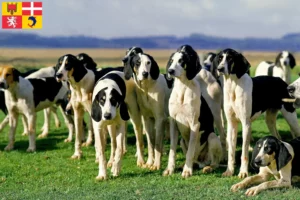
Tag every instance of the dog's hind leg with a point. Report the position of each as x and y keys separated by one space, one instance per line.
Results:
x=89 y=139
x=4 y=123
x=69 y=123
x=46 y=123
x=56 y=119
x=25 y=125
x=291 y=118
x=214 y=153
x=271 y=115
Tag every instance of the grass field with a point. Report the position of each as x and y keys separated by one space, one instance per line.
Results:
x=51 y=174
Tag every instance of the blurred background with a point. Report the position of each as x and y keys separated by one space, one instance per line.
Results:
x=106 y=28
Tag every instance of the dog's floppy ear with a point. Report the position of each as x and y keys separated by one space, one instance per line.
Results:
x=16 y=74
x=240 y=66
x=192 y=61
x=87 y=61
x=154 y=69
x=254 y=154
x=124 y=111
x=96 y=110
x=292 y=60
x=79 y=70
x=168 y=66
x=282 y=156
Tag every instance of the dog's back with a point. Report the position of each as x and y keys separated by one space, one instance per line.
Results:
x=268 y=93
x=104 y=71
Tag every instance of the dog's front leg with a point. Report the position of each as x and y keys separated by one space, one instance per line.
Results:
x=266 y=185
x=291 y=118
x=149 y=128
x=31 y=118
x=159 y=128
x=13 y=122
x=190 y=155
x=113 y=144
x=246 y=125
x=78 y=120
x=46 y=123
x=172 y=155
x=252 y=180
x=119 y=153
x=232 y=128
x=100 y=144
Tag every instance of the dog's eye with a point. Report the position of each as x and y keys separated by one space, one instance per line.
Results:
x=138 y=63
x=113 y=101
x=148 y=63
x=180 y=61
x=7 y=75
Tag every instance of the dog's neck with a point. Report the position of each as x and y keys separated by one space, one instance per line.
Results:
x=87 y=82
x=286 y=73
x=144 y=84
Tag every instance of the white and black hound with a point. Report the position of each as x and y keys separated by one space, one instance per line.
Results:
x=282 y=67
x=152 y=98
x=109 y=110
x=190 y=115
x=245 y=98
x=207 y=63
x=274 y=158
x=26 y=97
x=82 y=81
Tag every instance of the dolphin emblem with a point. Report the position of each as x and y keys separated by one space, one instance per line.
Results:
x=33 y=19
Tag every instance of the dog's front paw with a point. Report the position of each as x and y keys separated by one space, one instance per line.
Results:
x=25 y=134
x=227 y=173
x=148 y=164
x=115 y=170
x=86 y=144
x=30 y=149
x=252 y=191
x=9 y=147
x=168 y=172
x=243 y=175
x=187 y=172
x=140 y=162
x=76 y=156
x=154 y=167
x=68 y=140
x=237 y=187
x=109 y=164
x=207 y=169
x=43 y=135
x=101 y=178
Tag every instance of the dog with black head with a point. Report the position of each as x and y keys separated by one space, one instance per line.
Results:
x=191 y=116
x=152 y=98
x=284 y=63
x=109 y=111
x=245 y=99
x=82 y=81
x=273 y=158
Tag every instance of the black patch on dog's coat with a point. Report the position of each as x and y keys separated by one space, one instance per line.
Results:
x=206 y=120
x=154 y=69
x=268 y=93
x=104 y=71
x=28 y=72
x=2 y=103
x=87 y=61
x=271 y=69
x=96 y=113
x=191 y=62
x=45 y=89
x=170 y=81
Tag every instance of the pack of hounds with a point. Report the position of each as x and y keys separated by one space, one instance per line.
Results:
x=187 y=104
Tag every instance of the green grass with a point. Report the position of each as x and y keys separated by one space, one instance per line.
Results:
x=51 y=174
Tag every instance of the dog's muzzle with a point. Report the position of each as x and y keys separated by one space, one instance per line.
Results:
x=107 y=116
x=171 y=72
x=59 y=76
x=257 y=162
x=221 y=69
x=291 y=89
x=145 y=74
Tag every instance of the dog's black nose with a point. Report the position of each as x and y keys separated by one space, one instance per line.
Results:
x=291 y=89
x=285 y=62
x=2 y=85
x=59 y=75
x=221 y=69
x=107 y=116
x=257 y=162
x=145 y=74
x=171 y=71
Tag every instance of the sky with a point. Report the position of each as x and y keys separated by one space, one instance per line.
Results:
x=124 y=18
